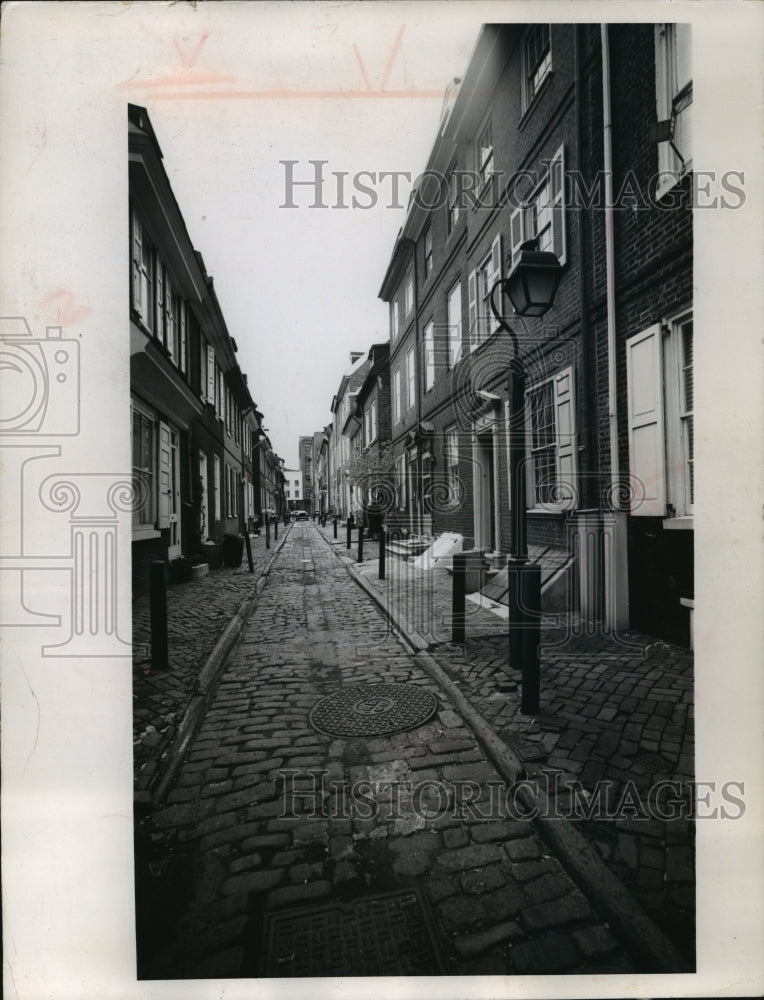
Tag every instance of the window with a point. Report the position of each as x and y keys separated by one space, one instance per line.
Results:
x=400 y=470
x=144 y=471
x=217 y=486
x=396 y=395
x=393 y=320
x=552 y=431
x=409 y=293
x=227 y=490
x=542 y=215
x=481 y=281
x=454 y=309
x=673 y=88
x=220 y=401
x=429 y=356
x=142 y=273
x=659 y=368
x=537 y=61
x=410 y=377
x=367 y=427
x=288 y=495
x=211 y=374
x=452 y=463
x=373 y=417
x=484 y=154
x=453 y=198
x=427 y=252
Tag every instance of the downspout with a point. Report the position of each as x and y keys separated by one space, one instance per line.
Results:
x=607 y=133
x=615 y=543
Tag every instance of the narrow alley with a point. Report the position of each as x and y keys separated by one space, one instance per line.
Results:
x=367 y=834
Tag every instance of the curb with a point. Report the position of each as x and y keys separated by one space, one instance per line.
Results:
x=627 y=919
x=208 y=678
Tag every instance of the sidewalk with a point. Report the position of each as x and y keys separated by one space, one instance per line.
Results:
x=616 y=719
x=198 y=614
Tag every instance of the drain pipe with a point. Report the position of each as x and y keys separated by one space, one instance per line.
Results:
x=616 y=595
x=607 y=130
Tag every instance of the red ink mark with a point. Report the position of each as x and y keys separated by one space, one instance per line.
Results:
x=188 y=60
x=63 y=307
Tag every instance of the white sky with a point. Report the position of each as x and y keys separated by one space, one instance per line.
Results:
x=298 y=287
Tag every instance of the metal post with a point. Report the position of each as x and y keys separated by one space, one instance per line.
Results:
x=334 y=524
x=275 y=529
x=459 y=590
x=360 y=543
x=382 y=543
x=531 y=607
x=248 y=543
x=158 y=604
x=348 y=531
x=516 y=387
x=267 y=532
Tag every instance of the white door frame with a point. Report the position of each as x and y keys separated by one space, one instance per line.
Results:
x=483 y=505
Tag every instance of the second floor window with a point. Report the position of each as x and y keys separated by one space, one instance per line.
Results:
x=427 y=252
x=542 y=214
x=454 y=307
x=429 y=356
x=142 y=273
x=537 y=60
x=409 y=293
x=411 y=377
x=396 y=395
x=393 y=320
x=454 y=195
x=673 y=89
x=481 y=281
x=484 y=155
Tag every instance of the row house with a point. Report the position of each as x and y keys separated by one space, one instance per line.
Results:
x=293 y=490
x=195 y=427
x=343 y=402
x=577 y=137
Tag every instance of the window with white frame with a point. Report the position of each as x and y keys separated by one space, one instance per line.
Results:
x=484 y=154
x=659 y=375
x=393 y=319
x=409 y=293
x=429 y=356
x=454 y=195
x=481 y=281
x=211 y=374
x=396 y=395
x=551 y=428
x=542 y=214
x=536 y=60
x=142 y=272
x=144 y=466
x=400 y=477
x=217 y=486
x=373 y=419
x=452 y=462
x=454 y=319
x=410 y=378
x=673 y=89
x=220 y=401
x=427 y=252
x=367 y=427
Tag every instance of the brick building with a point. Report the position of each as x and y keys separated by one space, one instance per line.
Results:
x=558 y=133
x=195 y=427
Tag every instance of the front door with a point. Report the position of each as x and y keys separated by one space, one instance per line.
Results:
x=169 y=487
x=204 y=512
x=485 y=492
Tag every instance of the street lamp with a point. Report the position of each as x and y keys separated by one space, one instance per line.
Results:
x=530 y=287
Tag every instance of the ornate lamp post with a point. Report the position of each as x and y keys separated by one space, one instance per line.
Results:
x=530 y=287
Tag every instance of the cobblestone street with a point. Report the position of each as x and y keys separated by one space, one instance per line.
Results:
x=268 y=818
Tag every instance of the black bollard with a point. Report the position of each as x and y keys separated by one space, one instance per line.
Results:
x=360 y=543
x=158 y=603
x=334 y=524
x=348 y=532
x=530 y=598
x=382 y=543
x=248 y=543
x=267 y=532
x=459 y=591
x=275 y=529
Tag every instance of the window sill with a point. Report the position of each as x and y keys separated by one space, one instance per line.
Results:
x=145 y=534
x=668 y=183
x=528 y=112
x=685 y=523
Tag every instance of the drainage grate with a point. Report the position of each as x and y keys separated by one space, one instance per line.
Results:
x=373 y=710
x=389 y=934
x=650 y=762
x=530 y=751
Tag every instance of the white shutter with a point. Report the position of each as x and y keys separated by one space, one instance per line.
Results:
x=565 y=420
x=165 y=476
x=557 y=177
x=517 y=231
x=472 y=293
x=645 y=418
x=210 y=374
x=496 y=273
x=159 y=331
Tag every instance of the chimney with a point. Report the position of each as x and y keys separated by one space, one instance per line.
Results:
x=355 y=356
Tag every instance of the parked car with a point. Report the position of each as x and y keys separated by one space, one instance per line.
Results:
x=300 y=515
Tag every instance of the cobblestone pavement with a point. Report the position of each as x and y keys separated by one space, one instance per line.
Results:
x=197 y=614
x=267 y=816
x=617 y=717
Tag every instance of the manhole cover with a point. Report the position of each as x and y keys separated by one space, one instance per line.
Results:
x=373 y=710
x=650 y=762
x=530 y=751
x=390 y=934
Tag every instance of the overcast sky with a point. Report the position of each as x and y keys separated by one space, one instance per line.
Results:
x=232 y=97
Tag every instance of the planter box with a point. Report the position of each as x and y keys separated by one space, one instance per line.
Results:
x=213 y=553
x=201 y=570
